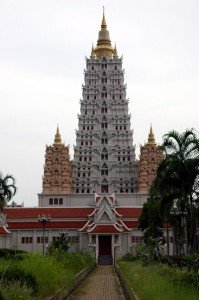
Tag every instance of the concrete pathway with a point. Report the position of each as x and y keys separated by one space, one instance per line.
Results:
x=101 y=284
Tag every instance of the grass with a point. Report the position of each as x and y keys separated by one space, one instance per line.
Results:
x=149 y=283
x=51 y=274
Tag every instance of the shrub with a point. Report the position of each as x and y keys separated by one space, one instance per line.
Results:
x=130 y=257
x=15 y=273
x=9 y=253
x=15 y=291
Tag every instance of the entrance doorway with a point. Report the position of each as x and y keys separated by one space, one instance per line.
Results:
x=105 y=251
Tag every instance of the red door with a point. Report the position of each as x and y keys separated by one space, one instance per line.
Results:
x=105 y=245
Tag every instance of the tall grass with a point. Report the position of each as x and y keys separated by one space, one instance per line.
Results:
x=51 y=273
x=149 y=284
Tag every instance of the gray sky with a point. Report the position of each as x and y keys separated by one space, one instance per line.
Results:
x=43 y=44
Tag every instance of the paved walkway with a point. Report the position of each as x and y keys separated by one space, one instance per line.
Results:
x=101 y=284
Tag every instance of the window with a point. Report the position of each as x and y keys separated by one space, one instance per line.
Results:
x=40 y=240
x=104 y=170
x=60 y=201
x=136 y=239
x=56 y=201
x=26 y=240
x=104 y=186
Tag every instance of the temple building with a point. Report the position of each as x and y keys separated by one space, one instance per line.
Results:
x=104 y=156
x=95 y=197
x=150 y=156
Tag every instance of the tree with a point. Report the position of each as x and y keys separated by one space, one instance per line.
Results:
x=9 y=189
x=150 y=220
x=177 y=177
x=60 y=245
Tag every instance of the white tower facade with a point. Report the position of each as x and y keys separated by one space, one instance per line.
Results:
x=104 y=155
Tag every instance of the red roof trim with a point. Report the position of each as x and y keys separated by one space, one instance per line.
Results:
x=37 y=225
x=58 y=212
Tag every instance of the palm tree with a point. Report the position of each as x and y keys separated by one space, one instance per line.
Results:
x=177 y=176
x=8 y=189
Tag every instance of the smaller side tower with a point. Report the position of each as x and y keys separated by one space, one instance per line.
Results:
x=150 y=156
x=57 y=177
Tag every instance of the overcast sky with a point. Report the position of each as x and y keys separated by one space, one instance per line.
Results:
x=43 y=44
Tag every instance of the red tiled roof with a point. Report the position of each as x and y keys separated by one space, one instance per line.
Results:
x=3 y=230
x=131 y=224
x=38 y=225
x=129 y=212
x=55 y=212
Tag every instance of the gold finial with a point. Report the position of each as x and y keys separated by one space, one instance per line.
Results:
x=151 y=138
x=57 y=139
x=103 y=48
x=103 y=25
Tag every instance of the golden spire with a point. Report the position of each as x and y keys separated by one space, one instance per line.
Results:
x=151 y=138
x=103 y=25
x=57 y=140
x=103 y=48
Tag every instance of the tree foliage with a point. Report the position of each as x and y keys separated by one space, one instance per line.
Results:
x=60 y=244
x=176 y=185
x=9 y=189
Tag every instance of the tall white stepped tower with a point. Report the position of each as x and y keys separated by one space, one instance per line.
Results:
x=104 y=155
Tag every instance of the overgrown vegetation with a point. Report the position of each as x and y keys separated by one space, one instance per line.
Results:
x=36 y=276
x=157 y=281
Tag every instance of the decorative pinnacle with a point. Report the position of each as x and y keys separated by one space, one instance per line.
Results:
x=103 y=25
x=92 y=51
x=57 y=139
x=115 y=50
x=151 y=138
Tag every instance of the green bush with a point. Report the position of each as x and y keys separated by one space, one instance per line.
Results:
x=15 y=273
x=15 y=291
x=130 y=257
x=43 y=275
x=9 y=253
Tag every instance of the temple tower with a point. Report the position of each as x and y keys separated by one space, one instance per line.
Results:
x=150 y=156
x=104 y=155
x=57 y=177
